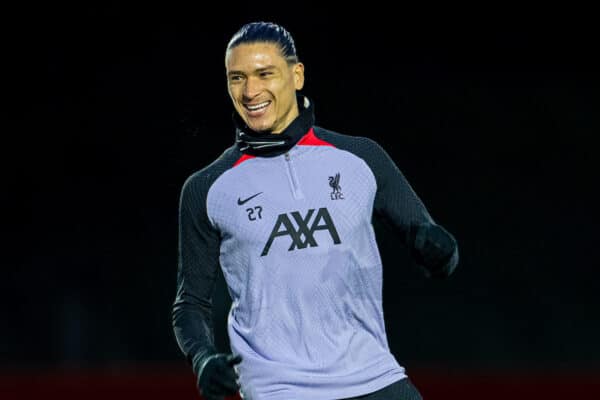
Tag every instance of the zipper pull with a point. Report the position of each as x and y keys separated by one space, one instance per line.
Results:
x=287 y=156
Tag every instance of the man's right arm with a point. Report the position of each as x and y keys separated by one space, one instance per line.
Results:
x=198 y=263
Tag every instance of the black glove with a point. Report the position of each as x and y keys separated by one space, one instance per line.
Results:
x=218 y=377
x=433 y=248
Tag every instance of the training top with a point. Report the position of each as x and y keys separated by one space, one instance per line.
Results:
x=288 y=219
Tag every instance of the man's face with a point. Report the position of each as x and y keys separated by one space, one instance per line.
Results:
x=262 y=86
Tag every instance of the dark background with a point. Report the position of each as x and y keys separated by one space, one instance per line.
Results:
x=491 y=115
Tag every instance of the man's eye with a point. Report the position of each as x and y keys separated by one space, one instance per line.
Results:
x=266 y=74
x=235 y=78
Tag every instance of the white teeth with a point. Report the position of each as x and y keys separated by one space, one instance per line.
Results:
x=257 y=106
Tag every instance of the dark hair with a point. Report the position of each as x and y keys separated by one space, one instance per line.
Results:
x=268 y=32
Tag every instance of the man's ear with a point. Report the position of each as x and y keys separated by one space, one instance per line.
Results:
x=298 y=71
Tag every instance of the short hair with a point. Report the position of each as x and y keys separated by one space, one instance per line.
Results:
x=267 y=32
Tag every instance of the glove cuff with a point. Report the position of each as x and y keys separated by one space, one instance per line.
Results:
x=202 y=358
x=434 y=248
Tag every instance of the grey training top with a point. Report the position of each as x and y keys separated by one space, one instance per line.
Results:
x=291 y=229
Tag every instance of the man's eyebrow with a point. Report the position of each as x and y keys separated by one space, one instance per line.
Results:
x=258 y=70
x=268 y=67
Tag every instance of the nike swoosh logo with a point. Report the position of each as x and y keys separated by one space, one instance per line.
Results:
x=240 y=201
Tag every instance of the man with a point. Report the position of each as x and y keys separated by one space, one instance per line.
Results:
x=286 y=214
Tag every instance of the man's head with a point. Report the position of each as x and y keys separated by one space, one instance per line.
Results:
x=263 y=74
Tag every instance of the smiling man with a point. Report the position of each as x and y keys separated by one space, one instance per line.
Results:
x=286 y=214
x=262 y=85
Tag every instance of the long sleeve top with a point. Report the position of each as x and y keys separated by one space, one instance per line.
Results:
x=289 y=223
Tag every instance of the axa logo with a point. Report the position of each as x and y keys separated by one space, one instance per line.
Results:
x=334 y=182
x=303 y=235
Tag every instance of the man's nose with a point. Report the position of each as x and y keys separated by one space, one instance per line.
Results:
x=252 y=88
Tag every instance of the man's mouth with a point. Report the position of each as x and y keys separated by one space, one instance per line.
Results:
x=258 y=109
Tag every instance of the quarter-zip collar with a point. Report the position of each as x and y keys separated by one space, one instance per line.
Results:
x=267 y=144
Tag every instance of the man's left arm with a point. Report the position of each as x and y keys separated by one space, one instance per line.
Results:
x=431 y=245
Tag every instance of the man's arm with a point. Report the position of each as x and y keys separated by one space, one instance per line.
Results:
x=398 y=205
x=432 y=246
x=198 y=255
x=198 y=265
